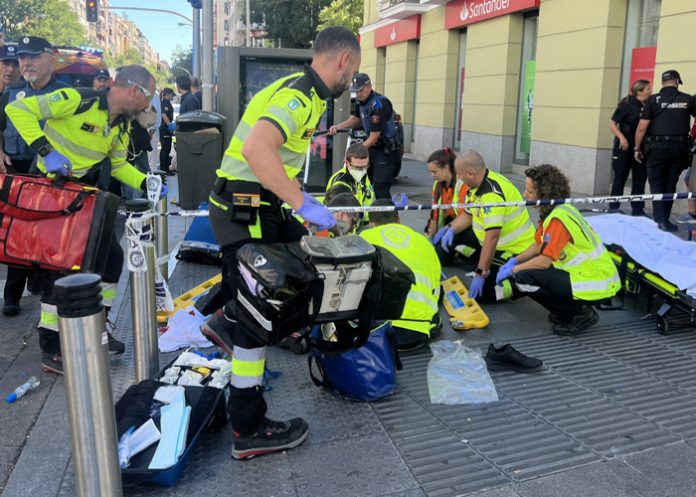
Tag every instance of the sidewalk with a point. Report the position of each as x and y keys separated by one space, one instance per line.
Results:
x=610 y=415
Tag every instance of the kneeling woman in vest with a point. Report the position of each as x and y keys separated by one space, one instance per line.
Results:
x=567 y=268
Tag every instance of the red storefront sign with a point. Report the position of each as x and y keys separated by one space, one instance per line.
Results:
x=404 y=30
x=642 y=65
x=464 y=12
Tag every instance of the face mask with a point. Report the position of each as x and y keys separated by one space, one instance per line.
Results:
x=357 y=174
x=147 y=118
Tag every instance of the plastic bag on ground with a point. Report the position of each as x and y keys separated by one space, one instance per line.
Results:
x=458 y=375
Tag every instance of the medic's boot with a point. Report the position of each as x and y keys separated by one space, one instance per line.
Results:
x=272 y=436
x=219 y=330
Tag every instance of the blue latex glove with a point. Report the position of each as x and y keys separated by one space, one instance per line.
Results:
x=314 y=212
x=505 y=271
x=476 y=288
x=163 y=191
x=57 y=163
x=445 y=237
x=400 y=199
x=171 y=127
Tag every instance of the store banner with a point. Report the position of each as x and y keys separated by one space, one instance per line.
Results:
x=403 y=30
x=642 y=65
x=464 y=12
x=528 y=106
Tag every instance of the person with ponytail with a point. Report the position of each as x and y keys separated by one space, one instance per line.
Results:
x=447 y=189
x=623 y=124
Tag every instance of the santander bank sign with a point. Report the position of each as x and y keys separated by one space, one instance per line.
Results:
x=463 y=12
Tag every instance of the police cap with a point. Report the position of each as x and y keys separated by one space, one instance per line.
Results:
x=359 y=80
x=670 y=75
x=33 y=45
x=102 y=74
x=8 y=52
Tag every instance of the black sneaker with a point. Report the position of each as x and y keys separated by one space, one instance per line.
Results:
x=116 y=347
x=219 y=329
x=507 y=358
x=11 y=309
x=667 y=226
x=294 y=342
x=586 y=319
x=52 y=363
x=556 y=319
x=272 y=436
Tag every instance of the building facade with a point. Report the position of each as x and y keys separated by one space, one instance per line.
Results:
x=523 y=81
x=230 y=27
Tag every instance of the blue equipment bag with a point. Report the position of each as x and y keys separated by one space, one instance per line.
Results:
x=199 y=244
x=364 y=374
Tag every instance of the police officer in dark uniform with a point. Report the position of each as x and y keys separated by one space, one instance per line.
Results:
x=376 y=115
x=662 y=140
x=35 y=57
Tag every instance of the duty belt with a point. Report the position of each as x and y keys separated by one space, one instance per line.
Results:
x=668 y=138
x=239 y=186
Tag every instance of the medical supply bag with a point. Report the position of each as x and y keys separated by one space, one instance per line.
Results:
x=58 y=225
x=366 y=373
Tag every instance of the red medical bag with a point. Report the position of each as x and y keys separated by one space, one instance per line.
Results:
x=51 y=224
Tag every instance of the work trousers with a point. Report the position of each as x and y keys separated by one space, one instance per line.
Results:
x=381 y=171
x=246 y=406
x=164 y=159
x=665 y=163
x=551 y=288
x=49 y=340
x=623 y=163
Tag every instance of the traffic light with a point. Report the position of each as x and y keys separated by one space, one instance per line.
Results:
x=92 y=11
x=196 y=4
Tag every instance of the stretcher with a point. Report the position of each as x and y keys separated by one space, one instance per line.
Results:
x=637 y=279
x=465 y=313
x=187 y=299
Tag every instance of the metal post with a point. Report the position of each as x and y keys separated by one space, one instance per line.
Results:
x=162 y=232
x=196 y=42
x=143 y=303
x=83 y=344
x=247 y=17
x=207 y=71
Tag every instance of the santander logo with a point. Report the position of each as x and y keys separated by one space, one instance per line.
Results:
x=464 y=14
x=472 y=9
x=392 y=35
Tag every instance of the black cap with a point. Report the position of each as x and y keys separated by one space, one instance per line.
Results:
x=670 y=75
x=33 y=45
x=8 y=52
x=359 y=80
x=102 y=74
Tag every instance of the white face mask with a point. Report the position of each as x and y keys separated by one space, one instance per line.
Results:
x=147 y=118
x=357 y=174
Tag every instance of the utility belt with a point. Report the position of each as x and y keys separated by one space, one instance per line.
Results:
x=241 y=200
x=652 y=139
x=389 y=145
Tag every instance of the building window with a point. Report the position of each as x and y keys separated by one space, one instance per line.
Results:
x=227 y=25
x=642 y=26
x=227 y=8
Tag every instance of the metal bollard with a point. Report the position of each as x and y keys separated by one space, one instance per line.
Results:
x=144 y=305
x=162 y=232
x=83 y=343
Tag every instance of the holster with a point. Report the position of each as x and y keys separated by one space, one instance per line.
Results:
x=241 y=200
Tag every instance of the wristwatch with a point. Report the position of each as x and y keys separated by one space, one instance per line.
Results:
x=45 y=150
x=481 y=272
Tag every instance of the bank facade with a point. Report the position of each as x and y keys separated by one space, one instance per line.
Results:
x=523 y=81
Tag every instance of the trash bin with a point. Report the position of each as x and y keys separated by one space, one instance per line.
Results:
x=199 y=148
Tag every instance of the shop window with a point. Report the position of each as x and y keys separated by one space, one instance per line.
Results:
x=525 y=103
x=640 y=41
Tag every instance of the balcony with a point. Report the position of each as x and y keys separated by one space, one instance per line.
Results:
x=400 y=9
x=435 y=3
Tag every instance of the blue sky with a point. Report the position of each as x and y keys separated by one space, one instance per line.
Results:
x=161 y=29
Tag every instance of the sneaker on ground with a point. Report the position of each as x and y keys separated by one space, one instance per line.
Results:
x=508 y=358
x=586 y=319
x=219 y=329
x=116 y=347
x=686 y=219
x=11 y=309
x=272 y=436
x=52 y=363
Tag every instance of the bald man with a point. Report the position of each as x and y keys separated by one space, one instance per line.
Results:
x=493 y=231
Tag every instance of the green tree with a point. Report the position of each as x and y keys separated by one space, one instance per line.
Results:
x=131 y=56
x=16 y=16
x=182 y=58
x=293 y=24
x=346 y=13
x=59 y=24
